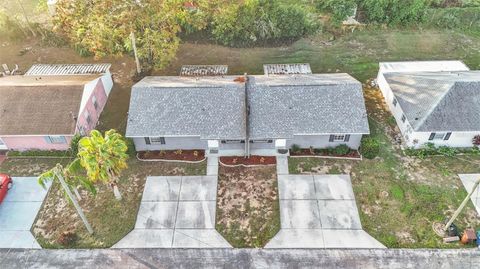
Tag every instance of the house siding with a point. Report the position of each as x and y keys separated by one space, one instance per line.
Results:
x=456 y=140
x=171 y=143
x=101 y=96
x=23 y=143
x=323 y=141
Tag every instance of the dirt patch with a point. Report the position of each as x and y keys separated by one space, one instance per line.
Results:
x=252 y=160
x=247 y=205
x=111 y=220
x=176 y=155
x=325 y=153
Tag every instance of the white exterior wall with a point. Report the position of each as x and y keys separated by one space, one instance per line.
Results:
x=322 y=141
x=456 y=140
x=171 y=143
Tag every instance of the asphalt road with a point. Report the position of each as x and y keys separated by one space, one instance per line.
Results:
x=240 y=258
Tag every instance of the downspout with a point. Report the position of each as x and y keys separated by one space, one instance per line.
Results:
x=247 y=115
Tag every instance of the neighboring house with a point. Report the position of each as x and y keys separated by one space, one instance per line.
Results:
x=435 y=101
x=47 y=106
x=271 y=112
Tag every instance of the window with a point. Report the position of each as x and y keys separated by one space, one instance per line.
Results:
x=404 y=118
x=394 y=102
x=440 y=136
x=81 y=130
x=339 y=138
x=56 y=139
x=262 y=141
x=87 y=117
x=95 y=103
x=157 y=140
x=233 y=141
x=1 y=142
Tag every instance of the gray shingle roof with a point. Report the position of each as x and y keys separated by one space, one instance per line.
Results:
x=209 y=107
x=286 y=105
x=438 y=101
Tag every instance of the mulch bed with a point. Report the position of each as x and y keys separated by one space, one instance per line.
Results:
x=175 y=155
x=324 y=152
x=252 y=160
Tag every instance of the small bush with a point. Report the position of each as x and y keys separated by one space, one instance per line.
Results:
x=131 y=151
x=341 y=150
x=370 y=147
x=447 y=151
x=295 y=148
x=67 y=238
x=74 y=144
x=476 y=140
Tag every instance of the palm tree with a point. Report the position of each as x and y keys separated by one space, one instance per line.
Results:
x=69 y=177
x=104 y=157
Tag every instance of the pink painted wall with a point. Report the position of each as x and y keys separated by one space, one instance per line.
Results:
x=99 y=93
x=33 y=142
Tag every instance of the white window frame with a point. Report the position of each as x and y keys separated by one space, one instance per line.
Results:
x=439 y=136
x=233 y=141
x=339 y=138
x=56 y=139
x=157 y=140
x=269 y=141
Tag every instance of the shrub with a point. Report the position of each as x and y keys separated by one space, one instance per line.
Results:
x=74 y=145
x=370 y=147
x=476 y=140
x=447 y=151
x=295 y=148
x=67 y=238
x=260 y=21
x=341 y=150
x=131 y=147
x=394 y=11
x=340 y=9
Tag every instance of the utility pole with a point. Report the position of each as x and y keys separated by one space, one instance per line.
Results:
x=134 y=46
x=73 y=199
x=460 y=208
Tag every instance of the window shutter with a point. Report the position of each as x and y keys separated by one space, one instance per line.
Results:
x=162 y=140
x=447 y=136
x=47 y=139
x=432 y=135
x=332 y=137
x=347 y=138
x=147 y=140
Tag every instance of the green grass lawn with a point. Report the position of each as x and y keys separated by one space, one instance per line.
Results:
x=110 y=219
x=399 y=197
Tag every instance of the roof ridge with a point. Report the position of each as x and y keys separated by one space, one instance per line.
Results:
x=429 y=112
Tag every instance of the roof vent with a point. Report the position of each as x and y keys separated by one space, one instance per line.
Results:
x=203 y=70
x=286 y=69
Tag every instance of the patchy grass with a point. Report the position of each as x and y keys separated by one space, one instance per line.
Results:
x=111 y=220
x=248 y=213
x=400 y=197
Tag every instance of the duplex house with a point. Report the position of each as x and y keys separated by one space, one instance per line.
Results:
x=433 y=101
x=249 y=114
x=47 y=106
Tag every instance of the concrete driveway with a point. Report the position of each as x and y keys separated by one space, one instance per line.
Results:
x=18 y=212
x=176 y=212
x=319 y=211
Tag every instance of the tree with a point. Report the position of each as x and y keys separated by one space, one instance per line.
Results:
x=104 y=27
x=340 y=9
x=68 y=178
x=104 y=157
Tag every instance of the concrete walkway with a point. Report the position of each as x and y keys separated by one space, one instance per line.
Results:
x=319 y=211
x=212 y=166
x=18 y=212
x=282 y=165
x=468 y=180
x=176 y=212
